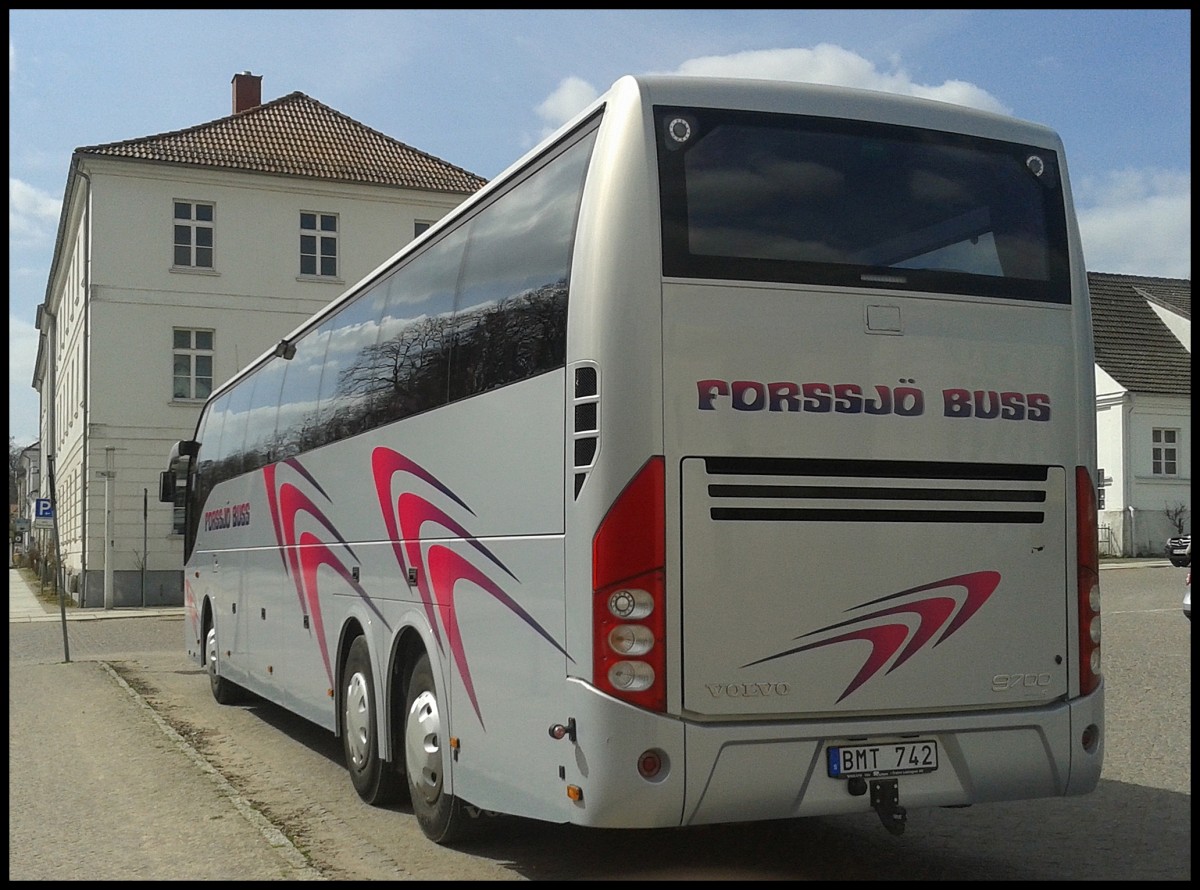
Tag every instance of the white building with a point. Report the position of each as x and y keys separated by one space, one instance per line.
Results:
x=26 y=489
x=1143 y=335
x=180 y=258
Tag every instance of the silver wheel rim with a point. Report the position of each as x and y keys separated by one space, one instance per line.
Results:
x=358 y=719
x=422 y=746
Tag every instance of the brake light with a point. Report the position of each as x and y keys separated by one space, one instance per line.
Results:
x=628 y=621
x=1088 y=573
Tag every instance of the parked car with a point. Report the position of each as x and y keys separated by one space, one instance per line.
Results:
x=1179 y=550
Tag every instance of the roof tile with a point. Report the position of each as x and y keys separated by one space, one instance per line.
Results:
x=1132 y=343
x=296 y=135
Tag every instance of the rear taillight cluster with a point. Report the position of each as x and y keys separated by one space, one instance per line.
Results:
x=628 y=621
x=1088 y=550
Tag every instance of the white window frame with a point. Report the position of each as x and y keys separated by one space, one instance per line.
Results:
x=319 y=247
x=197 y=229
x=1164 y=451
x=192 y=352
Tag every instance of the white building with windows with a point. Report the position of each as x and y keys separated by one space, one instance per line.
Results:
x=1143 y=336
x=181 y=257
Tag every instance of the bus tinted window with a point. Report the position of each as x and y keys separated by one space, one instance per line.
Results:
x=801 y=199
x=204 y=476
x=355 y=329
x=296 y=424
x=404 y=373
x=228 y=459
x=264 y=408
x=510 y=322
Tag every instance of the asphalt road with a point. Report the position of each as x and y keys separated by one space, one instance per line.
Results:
x=123 y=767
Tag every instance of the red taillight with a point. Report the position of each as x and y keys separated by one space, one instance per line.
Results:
x=628 y=621
x=1088 y=574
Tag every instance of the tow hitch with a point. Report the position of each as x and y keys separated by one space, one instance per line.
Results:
x=885 y=800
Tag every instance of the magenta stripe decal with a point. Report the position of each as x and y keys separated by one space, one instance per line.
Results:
x=416 y=527
x=933 y=614
x=303 y=555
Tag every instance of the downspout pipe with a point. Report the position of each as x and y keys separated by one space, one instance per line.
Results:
x=1129 y=542
x=87 y=396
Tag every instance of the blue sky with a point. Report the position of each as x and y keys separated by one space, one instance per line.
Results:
x=479 y=88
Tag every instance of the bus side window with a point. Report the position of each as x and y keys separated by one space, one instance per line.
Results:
x=511 y=316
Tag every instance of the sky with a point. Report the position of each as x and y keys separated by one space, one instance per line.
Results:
x=479 y=88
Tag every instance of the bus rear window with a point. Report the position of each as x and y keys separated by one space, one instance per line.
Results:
x=800 y=199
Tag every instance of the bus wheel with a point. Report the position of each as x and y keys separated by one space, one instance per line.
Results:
x=442 y=817
x=374 y=779
x=224 y=691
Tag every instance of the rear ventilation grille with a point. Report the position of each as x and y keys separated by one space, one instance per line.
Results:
x=831 y=490
x=585 y=423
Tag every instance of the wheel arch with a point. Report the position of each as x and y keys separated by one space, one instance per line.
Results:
x=351 y=631
x=208 y=618
x=408 y=645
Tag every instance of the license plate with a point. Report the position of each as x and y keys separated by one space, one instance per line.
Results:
x=882 y=759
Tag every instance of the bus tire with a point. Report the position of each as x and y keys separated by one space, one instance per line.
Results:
x=443 y=817
x=224 y=691
x=375 y=780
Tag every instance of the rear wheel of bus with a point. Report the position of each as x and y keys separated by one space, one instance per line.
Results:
x=375 y=780
x=443 y=818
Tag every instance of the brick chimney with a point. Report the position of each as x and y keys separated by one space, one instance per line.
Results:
x=247 y=91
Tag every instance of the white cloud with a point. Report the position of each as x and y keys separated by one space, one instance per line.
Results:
x=570 y=97
x=824 y=64
x=32 y=214
x=1132 y=222
x=835 y=66
x=1137 y=222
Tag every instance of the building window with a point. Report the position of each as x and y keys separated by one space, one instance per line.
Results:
x=1164 y=453
x=193 y=235
x=319 y=244
x=419 y=227
x=193 y=352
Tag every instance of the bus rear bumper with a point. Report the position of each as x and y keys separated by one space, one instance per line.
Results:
x=737 y=772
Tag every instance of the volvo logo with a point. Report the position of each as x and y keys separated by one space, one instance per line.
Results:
x=747 y=690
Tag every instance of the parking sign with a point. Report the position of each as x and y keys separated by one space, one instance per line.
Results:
x=43 y=513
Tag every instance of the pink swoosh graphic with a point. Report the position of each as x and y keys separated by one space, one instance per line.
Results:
x=885 y=639
x=932 y=614
x=406 y=519
x=302 y=558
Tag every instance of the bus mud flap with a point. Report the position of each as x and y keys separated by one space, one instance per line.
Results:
x=885 y=800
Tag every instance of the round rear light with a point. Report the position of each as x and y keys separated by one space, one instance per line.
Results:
x=650 y=764
x=631 y=639
x=630 y=604
x=631 y=676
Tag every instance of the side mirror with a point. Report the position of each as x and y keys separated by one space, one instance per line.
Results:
x=166 y=487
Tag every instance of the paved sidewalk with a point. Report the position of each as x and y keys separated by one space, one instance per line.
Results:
x=24 y=605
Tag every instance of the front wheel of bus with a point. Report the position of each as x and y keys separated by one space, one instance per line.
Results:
x=374 y=779
x=224 y=691
x=442 y=817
